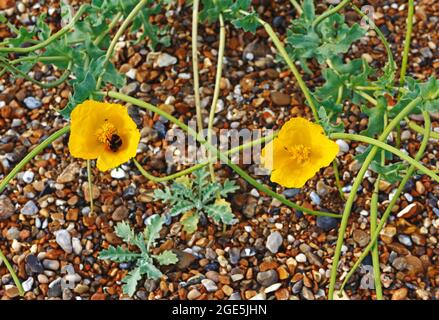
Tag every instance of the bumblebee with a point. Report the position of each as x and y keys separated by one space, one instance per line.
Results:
x=115 y=142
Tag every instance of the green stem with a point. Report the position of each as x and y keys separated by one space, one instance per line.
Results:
x=367 y=97
x=355 y=186
x=219 y=70
x=52 y=38
x=222 y=156
x=31 y=155
x=39 y=58
x=110 y=26
x=118 y=34
x=384 y=146
x=90 y=186
x=196 y=5
x=291 y=65
x=48 y=85
x=410 y=171
x=297 y=6
x=329 y=12
x=419 y=129
x=408 y=37
x=13 y=274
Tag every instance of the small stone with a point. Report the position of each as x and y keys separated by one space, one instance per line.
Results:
x=326 y=223
x=130 y=88
x=274 y=241
x=321 y=188
x=259 y=296
x=76 y=245
x=290 y=193
x=280 y=99
x=121 y=213
x=209 y=285
x=361 y=237
x=228 y=290
x=55 y=289
x=81 y=288
x=32 y=103
x=69 y=173
x=7 y=209
x=301 y=258
x=273 y=287
x=33 y=265
x=399 y=263
x=94 y=190
x=420 y=188
x=64 y=240
x=282 y=294
x=234 y=255
x=315 y=197
x=419 y=239
x=12 y=292
x=165 y=60
x=28 y=177
x=400 y=294
x=307 y=294
x=343 y=146
x=235 y=296
x=29 y=209
x=414 y=265
x=117 y=173
x=408 y=211
x=67 y=294
x=267 y=278
x=27 y=285
x=193 y=294
x=249 y=209
x=51 y=264
x=405 y=240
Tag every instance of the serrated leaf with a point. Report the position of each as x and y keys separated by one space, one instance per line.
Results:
x=248 y=23
x=152 y=230
x=131 y=280
x=221 y=211
x=389 y=172
x=376 y=115
x=228 y=187
x=124 y=231
x=166 y=258
x=181 y=207
x=209 y=192
x=326 y=123
x=147 y=267
x=118 y=254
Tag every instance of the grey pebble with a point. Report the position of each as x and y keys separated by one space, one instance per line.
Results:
x=32 y=103
x=29 y=209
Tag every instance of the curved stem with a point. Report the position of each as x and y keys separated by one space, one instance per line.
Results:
x=13 y=274
x=411 y=169
x=110 y=26
x=219 y=70
x=337 y=179
x=48 y=85
x=222 y=156
x=281 y=49
x=412 y=125
x=196 y=5
x=329 y=12
x=31 y=155
x=356 y=184
x=52 y=38
x=39 y=58
x=90 y=186
x=386 y=147
x=118 y=34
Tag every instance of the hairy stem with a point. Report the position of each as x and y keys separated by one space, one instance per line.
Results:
x=329 y=12
x=110 y=26
x=410 y=171
x=31 y=155
x=407 y=40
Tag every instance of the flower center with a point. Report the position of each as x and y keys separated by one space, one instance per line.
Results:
x=299 y=152
x=107 y=134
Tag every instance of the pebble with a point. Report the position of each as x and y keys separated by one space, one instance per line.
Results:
x=290 y=193
x=301 y=258
x=55 y=289
x=121 y=213
x=280 y=99
x=274 y=241
x=33 y=265
x=209 y=285
x=27 y=285
x=321 y=188
x=235 y=296
x=326 y=223
x=7 y=209
x=193 y=294
x=64 y=240
x=51 y=264
x=399 y=294
x=399 y=263
x=307 y=294
x=315 y=197
x=76 y=245
x=28 y=176
x=165 y=60
x=420 y=187
x=259 y=296
x=234 y=255
x=267 y=278
x=343 y=146
x=361 y=237
x=69 y=173
x=405 y=240
x=32 y=103
x=273 y=287
x=117 y=173
x=29 y=209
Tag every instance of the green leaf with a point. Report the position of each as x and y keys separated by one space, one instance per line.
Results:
x=82 y=91
x=118 y=254
x=248 y=23
x=166 y=258
x=190 y=221
x=308 y=10
x=124 y=231
x=221 y=212
x=376 y=115
x=228 y=187
x=147 y=267
x=131 y=280
x=152 y=231
x=326 y=123
x=209 y=192
x=181 y=207
x=390 y=172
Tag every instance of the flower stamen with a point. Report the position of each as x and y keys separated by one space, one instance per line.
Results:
x=299 y=152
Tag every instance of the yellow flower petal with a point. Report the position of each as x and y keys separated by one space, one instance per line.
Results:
x=298 y=153
x=103 y=131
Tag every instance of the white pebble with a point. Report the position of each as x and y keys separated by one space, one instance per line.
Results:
x=117 y=173
x=301 y=258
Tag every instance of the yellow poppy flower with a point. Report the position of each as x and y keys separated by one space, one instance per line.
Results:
x=103 y=131
x=298 y=153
